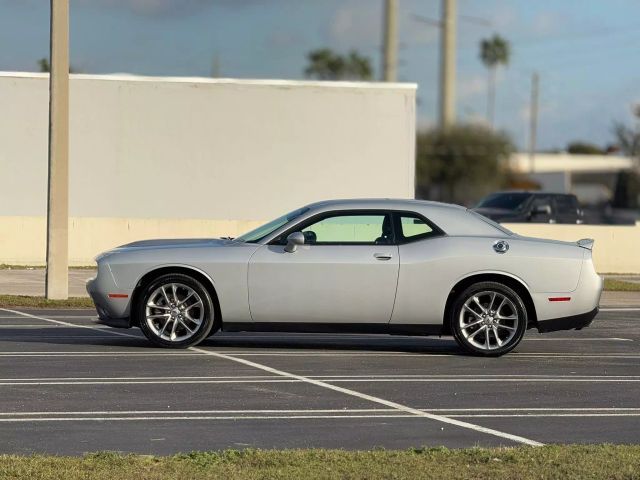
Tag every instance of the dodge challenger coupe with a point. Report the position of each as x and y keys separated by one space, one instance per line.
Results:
x=402 y=267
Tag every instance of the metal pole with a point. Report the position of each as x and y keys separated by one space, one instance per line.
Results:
x=448 y=64
x=533 y=117
x=57 y=276
x=390 y=41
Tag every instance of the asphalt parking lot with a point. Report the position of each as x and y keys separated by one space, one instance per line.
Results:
x=69 y=386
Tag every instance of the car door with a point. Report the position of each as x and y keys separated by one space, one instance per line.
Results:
x=345 y=272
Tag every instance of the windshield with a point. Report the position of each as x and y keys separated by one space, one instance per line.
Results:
x=268 y=228
x=506 y=201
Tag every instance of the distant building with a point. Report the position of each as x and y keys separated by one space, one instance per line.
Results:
x=591 y=177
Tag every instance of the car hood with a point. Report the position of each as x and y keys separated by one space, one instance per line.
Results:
x=175 y=242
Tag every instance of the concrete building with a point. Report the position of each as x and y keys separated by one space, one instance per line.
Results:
x=591 y=177
x=184 y=157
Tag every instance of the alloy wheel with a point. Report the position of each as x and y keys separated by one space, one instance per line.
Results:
x=174 y=312
x=488 y=320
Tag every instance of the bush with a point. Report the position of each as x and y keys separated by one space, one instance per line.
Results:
x=461 y=164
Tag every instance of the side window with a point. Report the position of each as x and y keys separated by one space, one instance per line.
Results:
x=369 y=229
x=414 y=228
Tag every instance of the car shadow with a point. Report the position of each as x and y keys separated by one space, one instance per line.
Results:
x=334 y=342
x=237 y=340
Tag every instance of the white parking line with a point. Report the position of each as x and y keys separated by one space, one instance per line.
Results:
x=43 y=325
x=104 y=354
x=620 y=309
x=370 y=379
x=298 y=353
x=363 y=396
x=235 y=415
x=353 y=393
x=60 y=322
x=452 y=411
x=556 y=339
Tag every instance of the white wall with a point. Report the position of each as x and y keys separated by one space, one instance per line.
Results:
x=201 y=148
x=615 y=249
x=218 y=150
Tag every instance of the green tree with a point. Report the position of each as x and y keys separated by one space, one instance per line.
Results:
x=585 y=148
x=462 y=163
x=628 y=138
x=494 y=51
x=45 y=66
x=325 y=64
x=627 y=192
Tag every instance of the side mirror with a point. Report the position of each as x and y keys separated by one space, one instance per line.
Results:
x=293 y=240
x=542 y=210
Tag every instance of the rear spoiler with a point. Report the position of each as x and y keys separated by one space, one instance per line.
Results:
x=586 y=243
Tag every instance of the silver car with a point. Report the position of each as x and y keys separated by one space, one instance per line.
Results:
x=402 y=267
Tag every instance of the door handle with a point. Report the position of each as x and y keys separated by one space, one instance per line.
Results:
x=383 y=256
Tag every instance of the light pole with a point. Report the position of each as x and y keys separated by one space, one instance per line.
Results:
x=448 y=64
x=57 y=274
x=390 y=41
x=533 y=121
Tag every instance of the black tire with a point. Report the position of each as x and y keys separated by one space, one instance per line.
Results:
x=200 y=332
x=510 y=331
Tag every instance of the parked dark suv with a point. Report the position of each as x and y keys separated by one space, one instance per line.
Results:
x=535 y=207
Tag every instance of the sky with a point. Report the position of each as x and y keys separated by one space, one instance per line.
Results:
x=584 y=50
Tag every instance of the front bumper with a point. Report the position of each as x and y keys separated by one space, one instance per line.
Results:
x=574 y=322
x=108 y=309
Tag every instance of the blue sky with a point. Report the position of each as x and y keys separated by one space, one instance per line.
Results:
x=584 y=50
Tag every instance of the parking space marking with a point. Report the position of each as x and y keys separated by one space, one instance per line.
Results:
x=60 y=322
x=561 y=339
x=153 y=382
x=43 y=325
x=544 y=415
x=363 y=396
x=307 y=414
x=620 y=309
x=319 y=383
x=304 y=353
x=99 y=354
x=328 y=378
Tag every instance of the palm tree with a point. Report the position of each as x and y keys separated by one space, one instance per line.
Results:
x=494 y=51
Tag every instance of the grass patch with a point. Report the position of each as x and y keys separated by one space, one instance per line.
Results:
x=615 y=285
x=41 y=302
x=522 y=463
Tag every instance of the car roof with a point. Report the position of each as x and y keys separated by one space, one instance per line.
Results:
x=533 y=192
x=381 y=203
x=451 y=219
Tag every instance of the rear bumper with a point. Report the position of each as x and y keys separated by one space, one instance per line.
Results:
x=574 y=322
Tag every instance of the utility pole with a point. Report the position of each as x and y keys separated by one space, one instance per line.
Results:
x=448 y=64
x=57 y=275
x=215 y=66
x=533 y=118
x=390 y=42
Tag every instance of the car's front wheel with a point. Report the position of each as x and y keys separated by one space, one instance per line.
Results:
x=175 y=311
x=488 y=319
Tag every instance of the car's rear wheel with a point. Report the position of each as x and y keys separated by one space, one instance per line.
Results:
x=488 y=319
x=175 y=311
